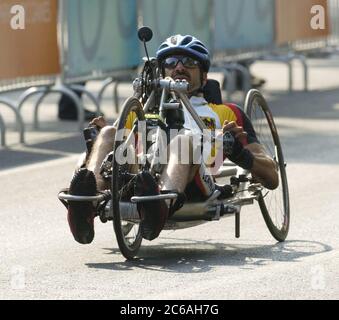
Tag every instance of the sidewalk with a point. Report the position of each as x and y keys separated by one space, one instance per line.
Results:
x=57 y=139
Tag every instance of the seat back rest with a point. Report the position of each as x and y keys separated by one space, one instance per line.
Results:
x=212 y=92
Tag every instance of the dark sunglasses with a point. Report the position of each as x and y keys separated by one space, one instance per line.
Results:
x=187 y=62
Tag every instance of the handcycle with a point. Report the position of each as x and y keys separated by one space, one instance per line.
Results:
x=155 y=105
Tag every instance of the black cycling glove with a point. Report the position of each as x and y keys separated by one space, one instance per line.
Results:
x=234 y=151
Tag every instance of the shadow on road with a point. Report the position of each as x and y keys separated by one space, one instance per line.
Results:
x=202 y=256
x=39 y=152
x=316 y=104
x=308 y=125
x=15 y=158
x=74 y=144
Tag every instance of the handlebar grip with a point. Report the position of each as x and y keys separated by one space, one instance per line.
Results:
x=179 y=86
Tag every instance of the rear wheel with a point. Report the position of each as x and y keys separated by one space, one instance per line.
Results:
x=274 y=204
x=127 y=229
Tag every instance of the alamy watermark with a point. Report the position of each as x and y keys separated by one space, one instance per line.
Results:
x=188 y=148
x=18 y=278
x=318 y=280
x=318 y=20
x=18 y=18
x=32 y=12
x=17 y=21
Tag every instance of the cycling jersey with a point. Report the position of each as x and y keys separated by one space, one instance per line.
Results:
x=213 y=115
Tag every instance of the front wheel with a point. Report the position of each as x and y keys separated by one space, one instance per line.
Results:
x=274 y=204
x=127 y=230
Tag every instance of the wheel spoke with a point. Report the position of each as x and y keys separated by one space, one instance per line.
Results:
x=127 y=230
x=274 y=203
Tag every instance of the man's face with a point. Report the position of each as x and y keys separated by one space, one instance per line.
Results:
x=185 y=68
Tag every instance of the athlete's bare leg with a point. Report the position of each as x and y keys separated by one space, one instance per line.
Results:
x=102 y=146
x=178 y=173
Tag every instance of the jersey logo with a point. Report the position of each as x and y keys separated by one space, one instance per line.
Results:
x=209 y=122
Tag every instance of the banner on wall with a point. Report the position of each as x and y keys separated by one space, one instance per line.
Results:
x=243 y=24
x=167 y=18
x=102 y=37
x=293 y=20
x=33 y=50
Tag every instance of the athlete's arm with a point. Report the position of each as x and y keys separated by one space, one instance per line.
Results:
x=264 y=168
x=252 y=157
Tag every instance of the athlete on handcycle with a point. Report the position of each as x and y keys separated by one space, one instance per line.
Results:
x=181 y=58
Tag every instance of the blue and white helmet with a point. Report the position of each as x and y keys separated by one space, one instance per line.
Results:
x=187 y=45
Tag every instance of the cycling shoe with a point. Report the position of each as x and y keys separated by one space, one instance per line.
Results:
x=81 y=214
x=153 y=214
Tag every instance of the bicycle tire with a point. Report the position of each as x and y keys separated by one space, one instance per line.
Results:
x=255 y=103
x=129 y=248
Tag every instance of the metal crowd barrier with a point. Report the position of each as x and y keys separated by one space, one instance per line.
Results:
x=333 y=9
x=2 y=132
x=115 y=81
x=19 y=121
x=62 y=89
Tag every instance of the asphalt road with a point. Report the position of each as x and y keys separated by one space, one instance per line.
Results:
x=40 y=260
